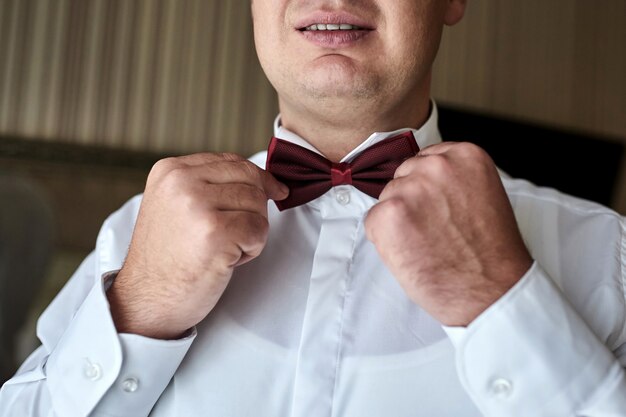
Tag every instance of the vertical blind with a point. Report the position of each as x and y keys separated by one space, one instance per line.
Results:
x=556 y=62
x=161 y=75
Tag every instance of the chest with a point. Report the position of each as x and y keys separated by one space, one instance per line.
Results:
x=317 y=326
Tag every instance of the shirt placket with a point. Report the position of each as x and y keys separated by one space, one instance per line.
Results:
x=322 y=331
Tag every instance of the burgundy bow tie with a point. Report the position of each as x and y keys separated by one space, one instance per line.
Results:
x=309 y=175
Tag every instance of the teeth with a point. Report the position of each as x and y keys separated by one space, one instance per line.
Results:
x=343 y=26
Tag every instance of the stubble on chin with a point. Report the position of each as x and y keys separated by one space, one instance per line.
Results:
x=338 y=84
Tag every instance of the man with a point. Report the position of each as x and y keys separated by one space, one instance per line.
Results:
x=434 y=299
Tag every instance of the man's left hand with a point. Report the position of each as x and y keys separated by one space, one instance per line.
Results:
x=445 y=228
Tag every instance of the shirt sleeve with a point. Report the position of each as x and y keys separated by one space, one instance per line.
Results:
x=85 y=368
x=531 y=354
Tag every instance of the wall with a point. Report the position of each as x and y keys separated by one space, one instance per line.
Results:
x=175 y=75
x=181 y=75
x=562 y=63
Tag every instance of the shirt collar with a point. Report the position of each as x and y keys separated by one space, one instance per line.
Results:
x=427 y=135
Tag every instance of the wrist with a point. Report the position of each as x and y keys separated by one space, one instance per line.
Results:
x=136 y=315
x=492 y=291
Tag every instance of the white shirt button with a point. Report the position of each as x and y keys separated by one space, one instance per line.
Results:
x=92 y=371
x=501 y=388
x=343 y=197
x=130 y=385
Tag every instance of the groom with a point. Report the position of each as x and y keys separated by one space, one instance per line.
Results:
x=448 y=290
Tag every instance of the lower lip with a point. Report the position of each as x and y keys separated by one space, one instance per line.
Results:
x=335 y=38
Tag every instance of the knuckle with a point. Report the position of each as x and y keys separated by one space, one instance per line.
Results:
x=212 y=223
x=250 y=166
x=188 y=202
x=406 y=167
x=175 y=176
x=372 y=219
x=221 y=264
x=227 y=169
x=384 y=217
x=479 y=159
x=164 y=164
x=260 y=224
x=395 y=208
x=257 y=232
x=251 y=170
x=260 y=243
x=168 y=164
x=230 y=156
x=392 y=188
x=411 y=162
x=161 y=167
x=439 y=165
x=471 y=150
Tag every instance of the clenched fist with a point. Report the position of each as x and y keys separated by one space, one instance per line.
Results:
x=445 y=228
x=201 y=216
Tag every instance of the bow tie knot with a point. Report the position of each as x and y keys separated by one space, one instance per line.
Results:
x=341 y=173
x=309 y=175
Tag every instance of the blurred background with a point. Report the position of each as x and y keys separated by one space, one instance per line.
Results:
x=93 y=92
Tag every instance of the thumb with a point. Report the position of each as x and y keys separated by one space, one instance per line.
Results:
x=273 y=188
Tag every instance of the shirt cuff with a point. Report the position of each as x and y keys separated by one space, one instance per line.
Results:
x=93 y=368
x=530 y=353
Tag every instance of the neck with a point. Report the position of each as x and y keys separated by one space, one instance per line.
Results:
x=347 y=127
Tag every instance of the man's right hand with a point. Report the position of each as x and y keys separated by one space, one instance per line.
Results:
x=201 y=216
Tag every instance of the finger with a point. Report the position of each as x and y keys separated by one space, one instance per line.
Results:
x=203 y=158
x=378 y=221
x=370 y=222
x=237 y=197
x=165 y=166
x=242 y=172
x=464 y=150
x=273 y=188
x=248 y=231
x=437 y=149
x=400 y=187
x=438 y=161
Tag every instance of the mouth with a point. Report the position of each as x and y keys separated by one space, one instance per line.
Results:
x=332 y=21
x=331 y=27
x=334 y=29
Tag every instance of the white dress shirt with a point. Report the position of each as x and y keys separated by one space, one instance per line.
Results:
x=318 y=327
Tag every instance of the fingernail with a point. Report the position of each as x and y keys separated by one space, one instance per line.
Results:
x=284 y=189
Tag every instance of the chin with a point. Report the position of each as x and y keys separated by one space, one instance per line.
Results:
x=339 y=81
